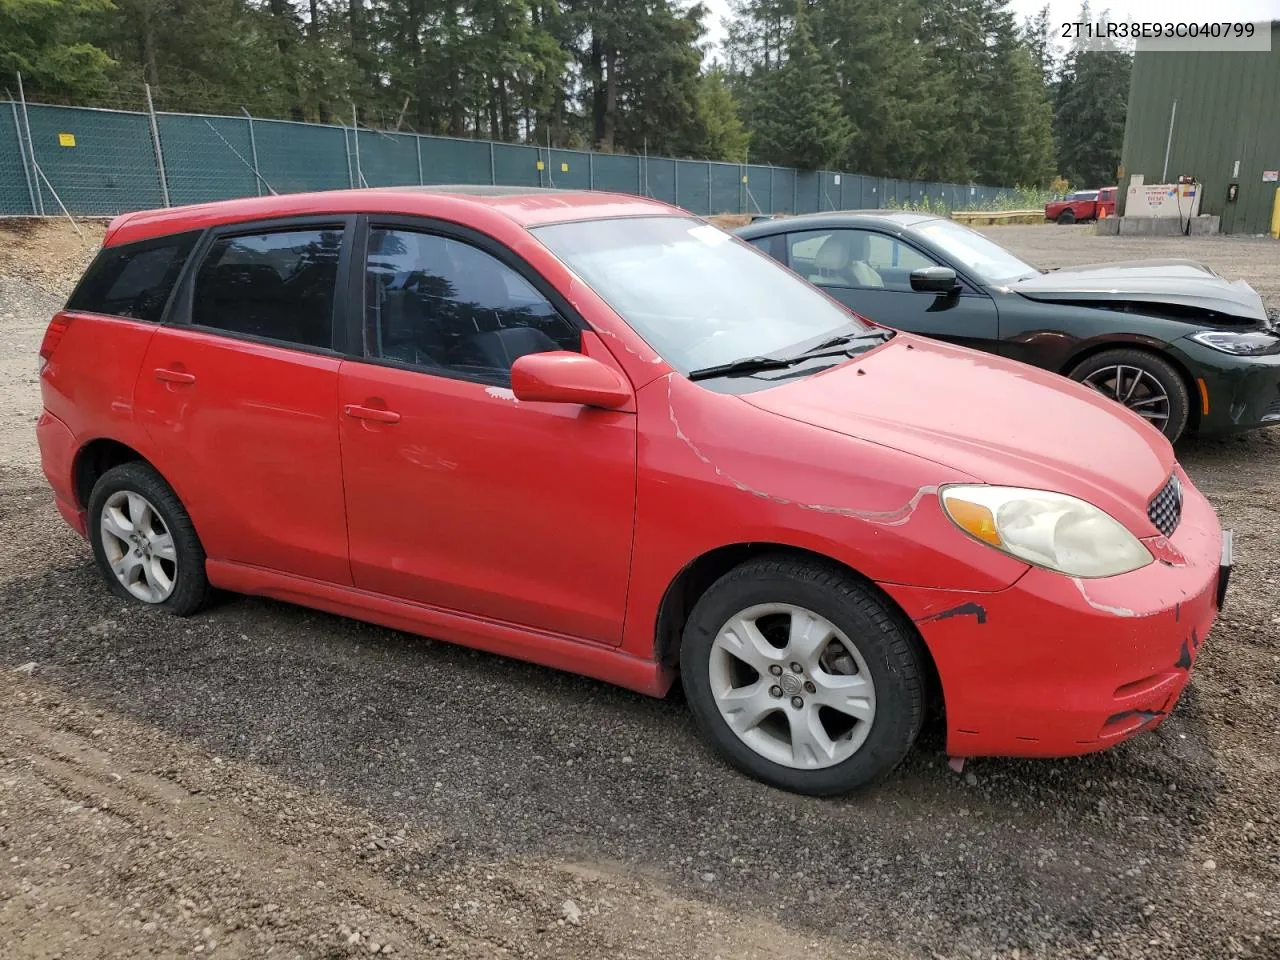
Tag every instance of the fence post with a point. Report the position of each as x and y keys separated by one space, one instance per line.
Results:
x=417 y=148
x=675 y=182
x=355 y=135
x=26 y=171
x=591 y=170
x=31 y=146
x=493 y=168
x=253 y=152
x=155 y=141
x=709 y=210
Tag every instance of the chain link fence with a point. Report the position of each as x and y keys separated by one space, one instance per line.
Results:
x=97 y=162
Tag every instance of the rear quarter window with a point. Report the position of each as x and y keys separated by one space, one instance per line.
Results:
x=133 y=280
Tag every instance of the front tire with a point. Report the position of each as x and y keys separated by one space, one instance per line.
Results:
x=803 y=677
x=1145 y=383
x=144 y=541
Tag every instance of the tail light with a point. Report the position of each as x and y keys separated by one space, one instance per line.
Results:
x=52 y=337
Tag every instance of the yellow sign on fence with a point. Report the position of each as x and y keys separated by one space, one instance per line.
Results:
x=66 y=139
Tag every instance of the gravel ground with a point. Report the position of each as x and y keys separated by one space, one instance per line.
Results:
x=266 y=778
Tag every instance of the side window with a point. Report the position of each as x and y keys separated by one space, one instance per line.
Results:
x=855 y=258
x=133 y=280
x=774 y=246
x=445 y=305
x=278 y=285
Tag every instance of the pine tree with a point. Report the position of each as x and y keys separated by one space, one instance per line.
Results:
x=801 y=122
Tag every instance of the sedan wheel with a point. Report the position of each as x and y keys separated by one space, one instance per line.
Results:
x=1144 y=382
x=1136 y=389
x=803 y=676
x=791 y=686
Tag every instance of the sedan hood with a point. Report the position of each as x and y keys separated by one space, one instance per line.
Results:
x=992 y=419
x=1175 y=283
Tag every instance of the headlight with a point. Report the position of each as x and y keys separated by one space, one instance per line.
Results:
x=1050 y=530
x=1248 y=343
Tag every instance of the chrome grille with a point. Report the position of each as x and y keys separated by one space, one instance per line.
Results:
x=1165 y=509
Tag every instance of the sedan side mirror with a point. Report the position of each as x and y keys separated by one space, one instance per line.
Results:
x=560 y=376
x=934 y=280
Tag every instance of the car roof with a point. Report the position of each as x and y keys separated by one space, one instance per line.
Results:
x=526 y=206
x=899 y=219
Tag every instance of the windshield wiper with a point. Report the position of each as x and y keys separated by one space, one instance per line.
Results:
x=843 y=340
x=746 y=365
x=742 y=365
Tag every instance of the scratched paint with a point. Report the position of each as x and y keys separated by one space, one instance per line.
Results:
x=501 y=393
x=888 y=518
x=1105 y=608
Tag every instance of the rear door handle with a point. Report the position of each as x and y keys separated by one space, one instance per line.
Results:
x=174 y=376
x=371 y=413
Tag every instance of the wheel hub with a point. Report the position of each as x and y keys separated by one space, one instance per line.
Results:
x=792 y=686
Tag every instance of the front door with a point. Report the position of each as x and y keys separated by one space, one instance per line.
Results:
x=240 y=396
x=459 y=495
x=870 y=272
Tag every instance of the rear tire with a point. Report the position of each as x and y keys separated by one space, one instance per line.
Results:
x=836 y=698
x=1066 y=217
x=144 y=542
x=1099 y=372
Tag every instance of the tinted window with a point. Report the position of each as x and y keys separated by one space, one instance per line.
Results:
x=855 y=258
x=133 y=280
x=277 y=285
x=445 y=305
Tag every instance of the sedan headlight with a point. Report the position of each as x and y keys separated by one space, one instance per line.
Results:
x=1047 y=529
x=1243 y=343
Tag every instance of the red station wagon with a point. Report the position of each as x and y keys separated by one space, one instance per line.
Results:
x=600 y=434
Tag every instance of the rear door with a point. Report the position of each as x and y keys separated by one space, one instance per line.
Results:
x=240 y=395
x=870 y=272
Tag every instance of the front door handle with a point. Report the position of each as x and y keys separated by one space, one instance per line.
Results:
x=371 y=413
x=174 y=376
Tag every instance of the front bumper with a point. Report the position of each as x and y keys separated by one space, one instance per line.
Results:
x=1241 y=393
x=1054 y=666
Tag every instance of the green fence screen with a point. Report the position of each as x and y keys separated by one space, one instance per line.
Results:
x=105 y=162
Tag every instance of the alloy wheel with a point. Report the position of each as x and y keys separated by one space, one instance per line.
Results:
x=138 y=546
x=1135 y=388
x=792 y=686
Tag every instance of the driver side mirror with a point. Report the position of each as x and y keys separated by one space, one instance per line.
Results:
x=934 y=280
x=560 y=376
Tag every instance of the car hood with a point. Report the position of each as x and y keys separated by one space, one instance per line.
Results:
x=992 y=419
x=1177 y=283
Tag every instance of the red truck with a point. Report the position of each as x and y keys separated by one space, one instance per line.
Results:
x=1082 y=205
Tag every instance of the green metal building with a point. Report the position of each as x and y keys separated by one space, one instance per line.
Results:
x=1225 y=111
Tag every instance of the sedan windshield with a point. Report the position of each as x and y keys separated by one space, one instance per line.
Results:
x=698 y=296
x=989 y=262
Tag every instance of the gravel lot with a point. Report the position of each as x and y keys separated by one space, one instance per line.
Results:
x=267 y=779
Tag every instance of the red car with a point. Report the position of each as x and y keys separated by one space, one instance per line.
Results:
x=1082 y=206
x=597 y=433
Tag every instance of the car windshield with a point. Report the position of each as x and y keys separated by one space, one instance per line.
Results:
x=988 y=261
x=698 y=296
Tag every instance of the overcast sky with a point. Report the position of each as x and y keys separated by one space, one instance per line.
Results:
x=1176 y=11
